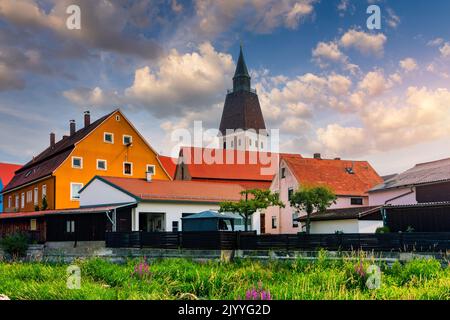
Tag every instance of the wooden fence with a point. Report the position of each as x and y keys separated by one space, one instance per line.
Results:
x=421 y=242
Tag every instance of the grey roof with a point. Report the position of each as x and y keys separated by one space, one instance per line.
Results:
x=429 y=172
x=210 y=214
x=343 y=213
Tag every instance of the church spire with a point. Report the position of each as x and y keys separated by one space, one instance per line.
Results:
x=241 y=79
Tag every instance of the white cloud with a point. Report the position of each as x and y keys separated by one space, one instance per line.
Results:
x=408 y=64
x=364 y=42
x=445 y=50
x=393 y=20
x=374 y=83
x=435 y=42
x=339 y=140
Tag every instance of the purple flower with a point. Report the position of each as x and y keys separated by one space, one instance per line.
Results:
x=258 y=294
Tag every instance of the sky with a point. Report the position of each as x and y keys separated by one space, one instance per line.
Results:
x=327 y=82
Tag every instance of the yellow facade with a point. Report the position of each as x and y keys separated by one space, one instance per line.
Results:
x=93 y=148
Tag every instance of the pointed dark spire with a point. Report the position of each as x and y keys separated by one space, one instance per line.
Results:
x=241 y=79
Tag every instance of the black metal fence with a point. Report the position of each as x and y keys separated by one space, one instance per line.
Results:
x=421 y=242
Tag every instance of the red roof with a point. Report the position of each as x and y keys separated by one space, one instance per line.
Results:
x=51 y=158
x=7 y=172
x=220 y=164
x=177 y=190
x=335 y=174
x=170 y=164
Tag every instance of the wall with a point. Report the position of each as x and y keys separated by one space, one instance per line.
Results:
x=99 y=192
x=367 y=226
x=284 y=215
x=380 y=197
x=93 y=147
x=437 y=192
x=30 y=206
x=331 y=226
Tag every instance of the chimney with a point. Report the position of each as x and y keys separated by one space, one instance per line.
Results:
x=87 y=118
x=72 y=127
x=149 y=176
x=52 y=139
x=317 y=156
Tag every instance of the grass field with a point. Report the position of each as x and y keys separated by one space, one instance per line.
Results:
x=184 y=279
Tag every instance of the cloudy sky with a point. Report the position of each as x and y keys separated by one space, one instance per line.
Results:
x=324 y=79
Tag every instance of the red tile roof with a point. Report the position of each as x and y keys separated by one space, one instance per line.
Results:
x=233 y=164
x=51 y=158
x=334 y=174
x=177 y=190
x=7 y=172
x=170 y=164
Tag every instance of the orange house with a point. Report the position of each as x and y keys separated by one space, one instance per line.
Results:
x=110 y=146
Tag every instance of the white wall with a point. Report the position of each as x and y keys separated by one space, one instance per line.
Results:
x=347 y=226
x=380 y=197
x=99 y=192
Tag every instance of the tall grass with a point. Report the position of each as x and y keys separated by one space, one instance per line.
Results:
x=185 y=279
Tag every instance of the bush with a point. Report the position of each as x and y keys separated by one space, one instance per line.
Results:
x=15 y=245
x=383 y=230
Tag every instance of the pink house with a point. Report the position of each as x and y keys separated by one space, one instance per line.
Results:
x=350 y=180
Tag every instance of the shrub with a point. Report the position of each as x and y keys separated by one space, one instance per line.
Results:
x=420 y=269
x=15 y=245
x=383 y=230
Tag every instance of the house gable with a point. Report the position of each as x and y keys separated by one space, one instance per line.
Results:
x=99 y=192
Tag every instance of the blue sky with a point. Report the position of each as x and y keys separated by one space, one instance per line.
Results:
x=327 y=82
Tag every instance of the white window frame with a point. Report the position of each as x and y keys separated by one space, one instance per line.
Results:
x=44 y=191
x=81 y=162
x=71 y=190
x=36 y=196
x=117 y=117
x=70 y=226
x=123 y=168
x=16 y=202
x=22 y=200
x=106 y=164
x=126 y=136
x=150 y=165
x=112 y=137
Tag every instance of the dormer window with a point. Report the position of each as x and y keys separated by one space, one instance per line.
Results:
x=77 y=162
x=108 y=137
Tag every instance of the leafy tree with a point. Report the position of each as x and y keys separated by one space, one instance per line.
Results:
x=252 y=201
x=311 y=199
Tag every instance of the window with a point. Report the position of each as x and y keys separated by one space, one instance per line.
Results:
x=128 y=168
x=75 y=188
x=274 y=222
x=36 y=195
x=33 y=225
x=101 y=164
x=77 y=162
x=294 y=221
x=29 y=196
x=283 y=173
x=150 y=169
x=44 y=191
x=9 y=202
x=117 y=118
x=250 y=142
x=70 y=226
x=127 y=139
x=290 y=193
x=174 y=226
x=356 y=201
x=22 y=202
x=108 y=137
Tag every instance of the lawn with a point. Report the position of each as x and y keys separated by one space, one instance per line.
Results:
x=185 y=279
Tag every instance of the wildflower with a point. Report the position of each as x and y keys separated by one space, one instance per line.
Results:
x=142 y=269
x=258 y=294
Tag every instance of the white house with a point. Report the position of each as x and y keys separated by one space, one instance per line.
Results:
x=159 y=205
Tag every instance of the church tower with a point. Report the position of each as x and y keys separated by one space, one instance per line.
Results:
x=242 y=125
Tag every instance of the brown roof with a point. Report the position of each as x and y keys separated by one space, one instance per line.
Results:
x=429 y=172
x=234 y=165
x=242 y=111
x=346 y=213
x=344 y=177
x=51 y=158
x=176 y=190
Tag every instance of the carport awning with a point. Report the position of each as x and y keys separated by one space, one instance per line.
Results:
x=84 y=210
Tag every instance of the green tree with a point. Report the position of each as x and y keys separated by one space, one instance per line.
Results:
x=252 y=201
x=311 y=199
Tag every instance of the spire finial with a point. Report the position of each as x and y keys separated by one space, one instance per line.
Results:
x=241 y=79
